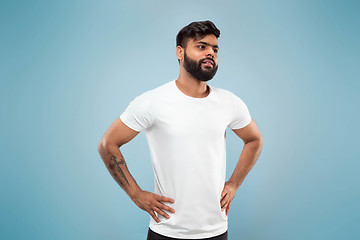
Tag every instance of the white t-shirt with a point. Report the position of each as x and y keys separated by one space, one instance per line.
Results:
x=186 y=138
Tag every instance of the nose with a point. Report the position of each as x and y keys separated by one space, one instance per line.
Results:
x=210 y=53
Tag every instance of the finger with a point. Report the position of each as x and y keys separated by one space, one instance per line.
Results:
x=223 y=202
x=154 y=216
x=165 y=199
x=165 y=207
x=228 y=208
x=224 y=197
x=222 y=193
x=162 y=213
x=224 y=205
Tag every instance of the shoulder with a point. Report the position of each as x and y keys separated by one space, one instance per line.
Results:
x=149 y=96
x=222 y=91
x=225 y=94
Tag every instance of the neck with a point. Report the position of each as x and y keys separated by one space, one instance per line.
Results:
x=192 y=86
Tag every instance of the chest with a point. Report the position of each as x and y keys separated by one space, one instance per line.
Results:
x=201 y=120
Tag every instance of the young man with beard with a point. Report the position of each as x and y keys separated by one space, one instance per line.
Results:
x=185 y=121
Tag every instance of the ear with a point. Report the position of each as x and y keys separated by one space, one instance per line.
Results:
x=179 y=52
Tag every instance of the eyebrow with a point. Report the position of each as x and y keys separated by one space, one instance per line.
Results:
x=208 y=44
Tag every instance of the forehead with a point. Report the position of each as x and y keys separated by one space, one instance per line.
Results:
x=209 y=39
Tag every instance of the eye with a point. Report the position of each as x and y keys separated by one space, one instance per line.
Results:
x=216 y=50
x=201 y=46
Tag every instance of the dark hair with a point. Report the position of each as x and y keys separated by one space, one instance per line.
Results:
x=196 y=30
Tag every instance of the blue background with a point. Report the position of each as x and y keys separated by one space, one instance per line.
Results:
x=70 y=68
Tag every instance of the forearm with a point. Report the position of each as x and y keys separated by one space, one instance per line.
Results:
x=247 y=160
x=116 y=165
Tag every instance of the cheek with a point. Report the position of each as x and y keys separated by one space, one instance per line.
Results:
x=197 y=56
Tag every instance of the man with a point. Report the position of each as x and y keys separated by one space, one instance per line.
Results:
x=185 y=121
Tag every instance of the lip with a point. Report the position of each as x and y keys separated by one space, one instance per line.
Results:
x=208 y=62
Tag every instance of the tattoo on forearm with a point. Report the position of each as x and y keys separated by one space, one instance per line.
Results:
x=117 y=165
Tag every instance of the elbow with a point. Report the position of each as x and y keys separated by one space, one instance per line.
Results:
x=261 y=141
x=101 y=145
x=105 y=145
x=257 y=142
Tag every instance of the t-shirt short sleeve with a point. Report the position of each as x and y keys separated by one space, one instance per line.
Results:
x=137 y=115
x=241 y=116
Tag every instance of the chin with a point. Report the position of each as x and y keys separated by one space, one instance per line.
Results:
x=206 y=80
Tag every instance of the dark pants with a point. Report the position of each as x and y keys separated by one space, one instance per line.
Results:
x=155 y=236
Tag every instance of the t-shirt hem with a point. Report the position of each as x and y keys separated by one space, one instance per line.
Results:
x=242 y=126
x=127 y=123
x=158 y=229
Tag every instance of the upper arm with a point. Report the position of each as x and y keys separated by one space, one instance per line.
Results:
x=249 y=133
x=117 y=134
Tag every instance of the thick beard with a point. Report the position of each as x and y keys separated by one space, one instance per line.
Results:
x=194 y=68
